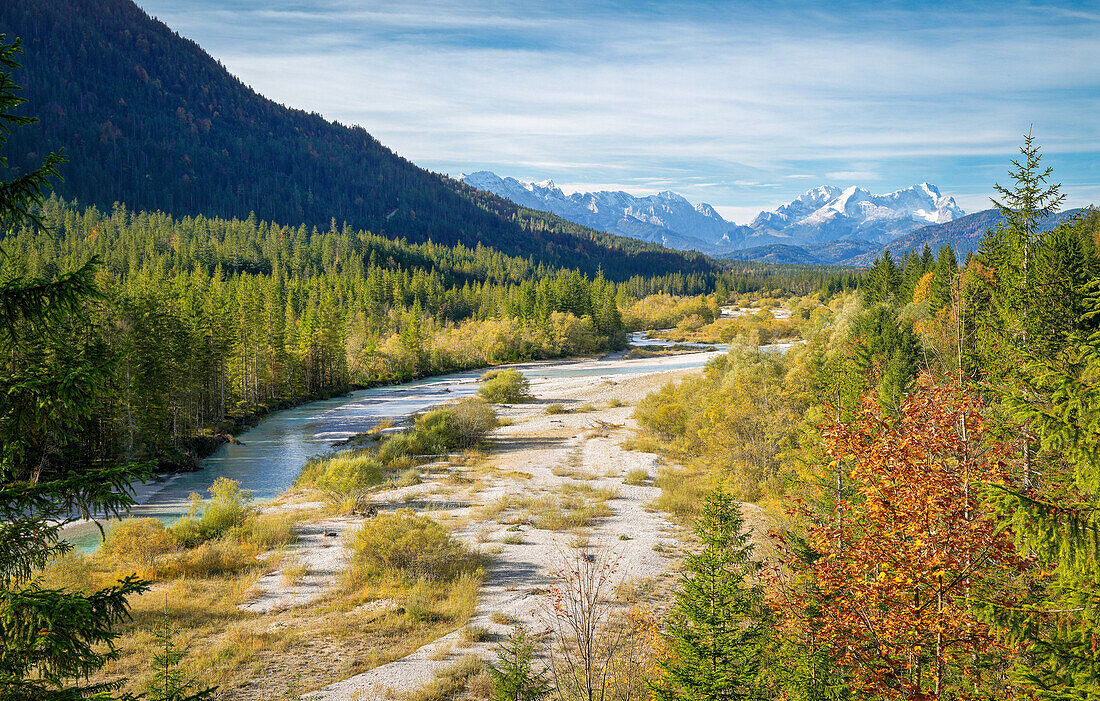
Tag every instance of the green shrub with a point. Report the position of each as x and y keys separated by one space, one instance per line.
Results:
x=504 y=386
x=460 y=425
x=345 y=472
x=556 y=408
x=410 y=545
x=187 y=531
x=227 y=508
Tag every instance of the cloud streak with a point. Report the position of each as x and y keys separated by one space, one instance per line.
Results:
x=711 y=101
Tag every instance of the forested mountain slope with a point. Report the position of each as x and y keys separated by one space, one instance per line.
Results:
x=963 y=235
x=149 y=119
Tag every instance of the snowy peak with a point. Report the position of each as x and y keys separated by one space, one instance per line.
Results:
x=825 y=213
x=828 y=213
x=667 y=217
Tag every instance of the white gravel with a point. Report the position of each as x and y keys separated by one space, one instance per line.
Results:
x=535 y=443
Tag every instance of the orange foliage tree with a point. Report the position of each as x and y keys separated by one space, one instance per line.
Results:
x=898 y=566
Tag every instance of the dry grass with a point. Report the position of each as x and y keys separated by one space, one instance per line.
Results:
x=492 y=510
x=475 y=634
x=440 y=652
x=577 y=506
x=294 y=572
x=637 y=477
x=252 y=656
x=682 y=492
x=572 y=473
x=466 y=677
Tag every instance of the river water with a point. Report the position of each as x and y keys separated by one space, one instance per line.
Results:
x=270 y=456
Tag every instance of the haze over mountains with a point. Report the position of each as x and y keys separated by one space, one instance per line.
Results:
x=826 y=224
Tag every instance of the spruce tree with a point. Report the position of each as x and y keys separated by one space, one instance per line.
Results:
x=717 y=628
x=514 y=676
x=1038 y=350
x=169 y=683
x=50 y=389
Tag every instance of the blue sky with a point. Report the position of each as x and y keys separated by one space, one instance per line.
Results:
x=742 y=105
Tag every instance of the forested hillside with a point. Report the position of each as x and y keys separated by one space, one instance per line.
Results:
x=147 y=118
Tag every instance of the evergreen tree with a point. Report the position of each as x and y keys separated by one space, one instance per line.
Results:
x=169 y=683
x=1038 y=353
x=50 y=388
x=717 y=628
x=883 y=281
x=944 y=276
x=1030 y=200
x=514 y=676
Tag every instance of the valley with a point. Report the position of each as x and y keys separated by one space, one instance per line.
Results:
x=288 y=412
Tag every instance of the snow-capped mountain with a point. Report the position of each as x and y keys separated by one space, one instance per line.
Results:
x=666 y=218
x=828 y=213
x=823 y=214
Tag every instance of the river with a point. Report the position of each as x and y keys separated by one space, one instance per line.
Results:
x=271 y=455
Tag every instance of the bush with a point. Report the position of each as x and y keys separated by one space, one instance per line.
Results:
x=225 y=556
x=410 y=545
x=460 y=425
x=344 y=473
x=228 y=508
x=504 y=386
x=556 y=408
x=139 y=541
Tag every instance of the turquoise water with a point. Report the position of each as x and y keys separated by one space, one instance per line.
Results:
x=271 y=455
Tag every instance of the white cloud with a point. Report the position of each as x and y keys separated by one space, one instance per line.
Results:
x=685 y=97
x=852 y=175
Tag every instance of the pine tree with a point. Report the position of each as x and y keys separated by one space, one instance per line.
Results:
x=169 y=683
x=1059 y=518
x=50 y=387
x=716 y=629
x=514 y=676
x=1030 y=200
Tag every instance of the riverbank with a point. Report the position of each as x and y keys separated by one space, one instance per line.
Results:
x=525 y=513
x=557 y=479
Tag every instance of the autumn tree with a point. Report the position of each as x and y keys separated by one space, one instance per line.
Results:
x=901 y=561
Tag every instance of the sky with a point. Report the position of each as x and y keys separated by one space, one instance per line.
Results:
x=740 y=105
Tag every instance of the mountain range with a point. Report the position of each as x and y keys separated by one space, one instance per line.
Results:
x=150 y=120
x=827 y=218
x=964 y=235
